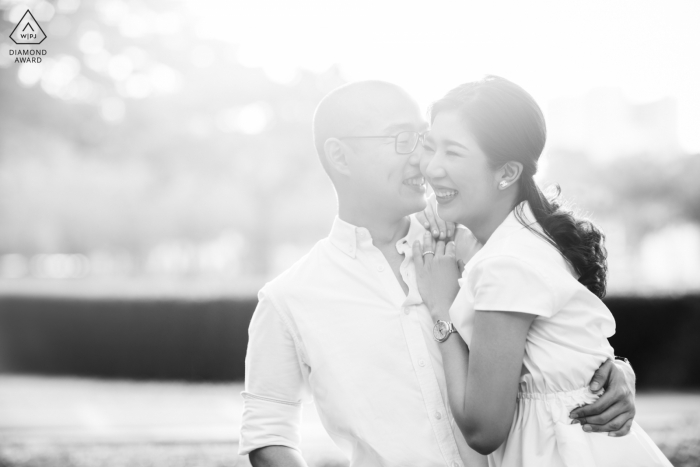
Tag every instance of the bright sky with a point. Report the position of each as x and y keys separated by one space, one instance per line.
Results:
x=553 y=49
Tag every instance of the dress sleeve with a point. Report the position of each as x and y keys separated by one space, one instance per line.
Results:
x=276 y=383
x=507 y=283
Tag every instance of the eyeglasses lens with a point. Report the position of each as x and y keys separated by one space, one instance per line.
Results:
x=406 y=142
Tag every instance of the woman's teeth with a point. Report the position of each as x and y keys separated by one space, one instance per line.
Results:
x=446 y=194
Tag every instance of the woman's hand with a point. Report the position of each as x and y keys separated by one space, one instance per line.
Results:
x=437 y=272
x=431 y=221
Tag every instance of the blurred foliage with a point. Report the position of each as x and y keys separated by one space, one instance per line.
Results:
x=644 y=192
x=140 y=127
x=117 y=141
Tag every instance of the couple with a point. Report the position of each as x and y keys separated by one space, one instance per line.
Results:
x=409 y=361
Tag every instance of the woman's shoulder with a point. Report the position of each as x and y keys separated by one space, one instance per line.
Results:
x=523 y=246
x=526 y=256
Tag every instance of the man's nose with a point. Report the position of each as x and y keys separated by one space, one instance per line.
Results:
x=416 y=156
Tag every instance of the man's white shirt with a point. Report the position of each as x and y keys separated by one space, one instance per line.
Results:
x=337 y=328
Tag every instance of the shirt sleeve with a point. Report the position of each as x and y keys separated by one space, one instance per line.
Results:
x=276 y=383
x=506 y=283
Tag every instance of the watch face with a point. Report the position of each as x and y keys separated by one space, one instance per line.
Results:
x=440 y=330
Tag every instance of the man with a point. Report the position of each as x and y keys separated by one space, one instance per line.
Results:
x=346 y=325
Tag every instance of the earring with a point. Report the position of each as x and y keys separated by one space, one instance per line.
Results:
x=502 y=184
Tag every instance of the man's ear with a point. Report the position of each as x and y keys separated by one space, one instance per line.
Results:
x=508 y=174
x=335 y=152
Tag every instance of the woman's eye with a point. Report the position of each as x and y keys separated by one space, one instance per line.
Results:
x=452 y=153
x=428 y=148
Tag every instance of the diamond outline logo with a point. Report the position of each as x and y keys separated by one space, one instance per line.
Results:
x=29 y=22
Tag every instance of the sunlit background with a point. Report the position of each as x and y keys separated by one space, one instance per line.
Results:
x=163 y=149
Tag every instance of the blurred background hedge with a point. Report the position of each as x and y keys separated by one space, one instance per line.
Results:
x=206 y=340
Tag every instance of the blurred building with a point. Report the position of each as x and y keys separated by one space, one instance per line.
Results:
x=621 y=162
x=605 y=125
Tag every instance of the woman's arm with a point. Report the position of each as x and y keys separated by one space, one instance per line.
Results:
x=482 y=382
x=485 y=412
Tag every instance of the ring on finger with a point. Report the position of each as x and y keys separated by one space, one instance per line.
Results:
x=428 y=252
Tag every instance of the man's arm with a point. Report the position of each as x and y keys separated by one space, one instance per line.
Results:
x=614 y=411
x=275 y=386
x=276 y=456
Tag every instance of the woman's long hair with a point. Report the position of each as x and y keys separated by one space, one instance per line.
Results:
x=509 y=126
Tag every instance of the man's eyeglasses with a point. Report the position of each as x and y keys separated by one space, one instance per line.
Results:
x=405 y=142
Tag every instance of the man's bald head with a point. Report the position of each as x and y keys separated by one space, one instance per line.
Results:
x=354 y=110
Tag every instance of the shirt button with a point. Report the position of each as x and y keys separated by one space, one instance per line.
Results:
x=438 y=415
x=380 y=268
x=455 y=464
x=421 y=362
x=406 y=310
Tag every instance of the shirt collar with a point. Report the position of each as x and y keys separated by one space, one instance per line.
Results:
x=415 y=232
x=347 y=237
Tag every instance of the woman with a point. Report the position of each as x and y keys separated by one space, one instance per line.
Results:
x=528 y=303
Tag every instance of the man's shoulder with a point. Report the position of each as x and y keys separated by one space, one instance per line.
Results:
x=302 y=271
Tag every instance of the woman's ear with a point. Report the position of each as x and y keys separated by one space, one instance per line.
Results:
x=335 y=154
x=508 y=174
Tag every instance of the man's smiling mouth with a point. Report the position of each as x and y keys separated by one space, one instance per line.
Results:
x=416 y=184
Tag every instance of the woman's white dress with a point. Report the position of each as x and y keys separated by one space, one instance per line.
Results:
x=518 y=271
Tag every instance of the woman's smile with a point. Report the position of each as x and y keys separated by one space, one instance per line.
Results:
x=444 y=195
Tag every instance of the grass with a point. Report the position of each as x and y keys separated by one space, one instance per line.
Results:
x=78 y=422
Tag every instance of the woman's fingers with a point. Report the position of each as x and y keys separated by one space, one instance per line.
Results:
x=450 y=249
x=440 y=248
x=441 y=226
x=429 y=212
x=451 y=230
x=431 y=221
x=423 y=219
x=428 y=246
x=417 y=254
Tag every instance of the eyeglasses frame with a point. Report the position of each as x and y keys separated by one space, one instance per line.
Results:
x=421 y=139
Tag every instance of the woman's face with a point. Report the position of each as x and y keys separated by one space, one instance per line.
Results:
x=465 y=186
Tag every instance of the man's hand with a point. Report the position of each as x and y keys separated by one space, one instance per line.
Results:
x=614 y=411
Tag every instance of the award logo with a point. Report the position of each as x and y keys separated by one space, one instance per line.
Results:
x=28 y=32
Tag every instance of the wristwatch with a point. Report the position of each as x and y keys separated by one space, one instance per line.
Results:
x=442 y=330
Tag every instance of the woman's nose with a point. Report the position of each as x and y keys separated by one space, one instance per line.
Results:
x=431 y=167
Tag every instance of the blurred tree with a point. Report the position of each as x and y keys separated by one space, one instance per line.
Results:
x=125 y=140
